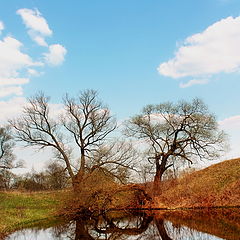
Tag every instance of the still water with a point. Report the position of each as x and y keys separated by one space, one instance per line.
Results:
x=177 y=225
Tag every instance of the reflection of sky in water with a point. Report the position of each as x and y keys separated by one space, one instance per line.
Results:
x=31 y=234
x=182 y=233
x=185 y=233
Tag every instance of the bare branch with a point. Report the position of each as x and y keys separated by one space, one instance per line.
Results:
x=182 y=131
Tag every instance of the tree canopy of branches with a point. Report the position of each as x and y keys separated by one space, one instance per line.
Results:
x=6 y=149
x=84 y=125
x=116 y=159
x=185 y=131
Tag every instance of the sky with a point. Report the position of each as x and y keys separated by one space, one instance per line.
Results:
x=133 y=52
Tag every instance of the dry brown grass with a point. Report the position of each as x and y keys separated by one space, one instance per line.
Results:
x=100 y=192
x=217 y=185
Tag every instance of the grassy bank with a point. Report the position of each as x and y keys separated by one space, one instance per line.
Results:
x=19 y=210
x=23 y=209
x=217 y=185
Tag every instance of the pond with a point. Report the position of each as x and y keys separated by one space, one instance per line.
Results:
x=166 y=225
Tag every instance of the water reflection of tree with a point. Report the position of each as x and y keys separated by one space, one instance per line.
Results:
x=107 y=228
x=162 y=229
x=223 y=223
x=118 y=229
x=166 y=225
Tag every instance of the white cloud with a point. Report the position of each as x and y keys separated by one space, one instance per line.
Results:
x=34 y=21
x=11 y=108
x=212 y=51
x=56 y=54
x=39 y=40
x=16 y=66
x=56 y=110
x=33 y=72
x=1 y=26
x=37 y=25
x=12 y=62
x=13 y=81
x=231 y=126
x=193 y=82
x=231 y=123
x=13 y=90
x=11 y=57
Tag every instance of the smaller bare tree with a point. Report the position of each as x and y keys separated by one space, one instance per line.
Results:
x=177 y=132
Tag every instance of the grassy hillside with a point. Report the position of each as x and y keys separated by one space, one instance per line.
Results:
x=217 y=185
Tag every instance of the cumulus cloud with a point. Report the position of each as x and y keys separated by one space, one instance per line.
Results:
x=56 y=54
x=215 y=50
x=16 y=66
x=1 y=26
x=38 y=30
x=12 y=62
x=11 y=108
x=13 y=81
x=37 y=25
x=13 y=90
x=34 y=21
x=193 y=82
x=12 y=58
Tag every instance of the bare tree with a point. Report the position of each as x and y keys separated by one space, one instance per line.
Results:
x=185 y=131
x=6 y=148
x=84 y=125
x=7 y=179
x=89 y=123
x=57 y=177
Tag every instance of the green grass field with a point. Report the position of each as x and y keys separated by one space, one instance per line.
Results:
x=19 y=210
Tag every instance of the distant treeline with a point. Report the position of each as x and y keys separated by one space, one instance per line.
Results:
x=54 y=177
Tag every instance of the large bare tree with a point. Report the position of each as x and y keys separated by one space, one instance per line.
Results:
x=84 y=125
x=185 y=131
x=89 y=122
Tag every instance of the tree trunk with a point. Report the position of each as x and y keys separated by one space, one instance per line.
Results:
x=158 y=179
x=77 y=182
x=83 y=160
x=157 y=182
x=78 y=178
x=160 y=169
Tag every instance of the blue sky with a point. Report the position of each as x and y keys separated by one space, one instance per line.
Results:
x=134 y=52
